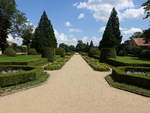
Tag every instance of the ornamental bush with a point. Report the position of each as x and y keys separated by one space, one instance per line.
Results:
x=107 y=53
x=60 y=51
x=94 y=52
x=32 y=51
x=10 y=52
x=49 y=53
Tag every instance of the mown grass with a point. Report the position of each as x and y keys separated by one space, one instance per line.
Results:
x=132 y=60
x=12 y=89
x=95 y=64
x=58 y=63
x=20 y=58
x=127 y=87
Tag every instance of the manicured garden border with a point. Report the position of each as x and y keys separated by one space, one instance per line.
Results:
x=13 y=89
x=10 y=79
x=96 y=65
x=139 y=80
x=58 y=64
x=126 y=87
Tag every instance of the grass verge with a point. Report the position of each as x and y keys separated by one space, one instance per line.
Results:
x=27 y=85
x=126 y=87
x=95 y=64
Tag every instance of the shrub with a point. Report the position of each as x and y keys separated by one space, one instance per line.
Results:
x=51 y=56
x=60 y=51
x=107 y=53
x=19 y=77
x=49 y=53
x=10 y=52
x=94 y=52
x=145 y=54
x=140 y=80
x=32 y=51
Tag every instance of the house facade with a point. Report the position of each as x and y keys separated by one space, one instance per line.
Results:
x=140 y=42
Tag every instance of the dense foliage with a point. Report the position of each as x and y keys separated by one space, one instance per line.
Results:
x=81 y=47
x=60 y=51
x=107 y=53
x=94 y=52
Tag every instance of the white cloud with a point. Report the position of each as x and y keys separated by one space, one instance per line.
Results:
x=101 y=8
x=81 y=16
x=72 y=40
x=130 y=31
x=133 y=13
x=74 y=30
x=63 y=38
x=16 y=40
x=68 y=24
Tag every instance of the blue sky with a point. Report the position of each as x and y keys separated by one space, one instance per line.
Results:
x=85 y=19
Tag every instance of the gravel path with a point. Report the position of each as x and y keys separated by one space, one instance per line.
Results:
x=76 y=88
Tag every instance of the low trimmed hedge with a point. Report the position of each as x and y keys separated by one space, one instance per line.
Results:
x=15 y=88
x=140 y=80
x=127 y=87
x=95 y=64
x=39 y=62
x=19 y=77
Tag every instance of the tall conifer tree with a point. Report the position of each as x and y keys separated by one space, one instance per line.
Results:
x=44 y=35
x=112 y=35
x=91 y=44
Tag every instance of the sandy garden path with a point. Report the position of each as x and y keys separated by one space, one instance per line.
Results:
x=76 y=88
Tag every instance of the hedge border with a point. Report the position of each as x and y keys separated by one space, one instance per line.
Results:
x=140 y=80
x=58 y=65
x=14 y=89
x=94 y=67
x=125 y=87
x=11 y=79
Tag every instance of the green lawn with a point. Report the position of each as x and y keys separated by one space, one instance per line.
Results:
x=133 y=60
x=21 y=58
